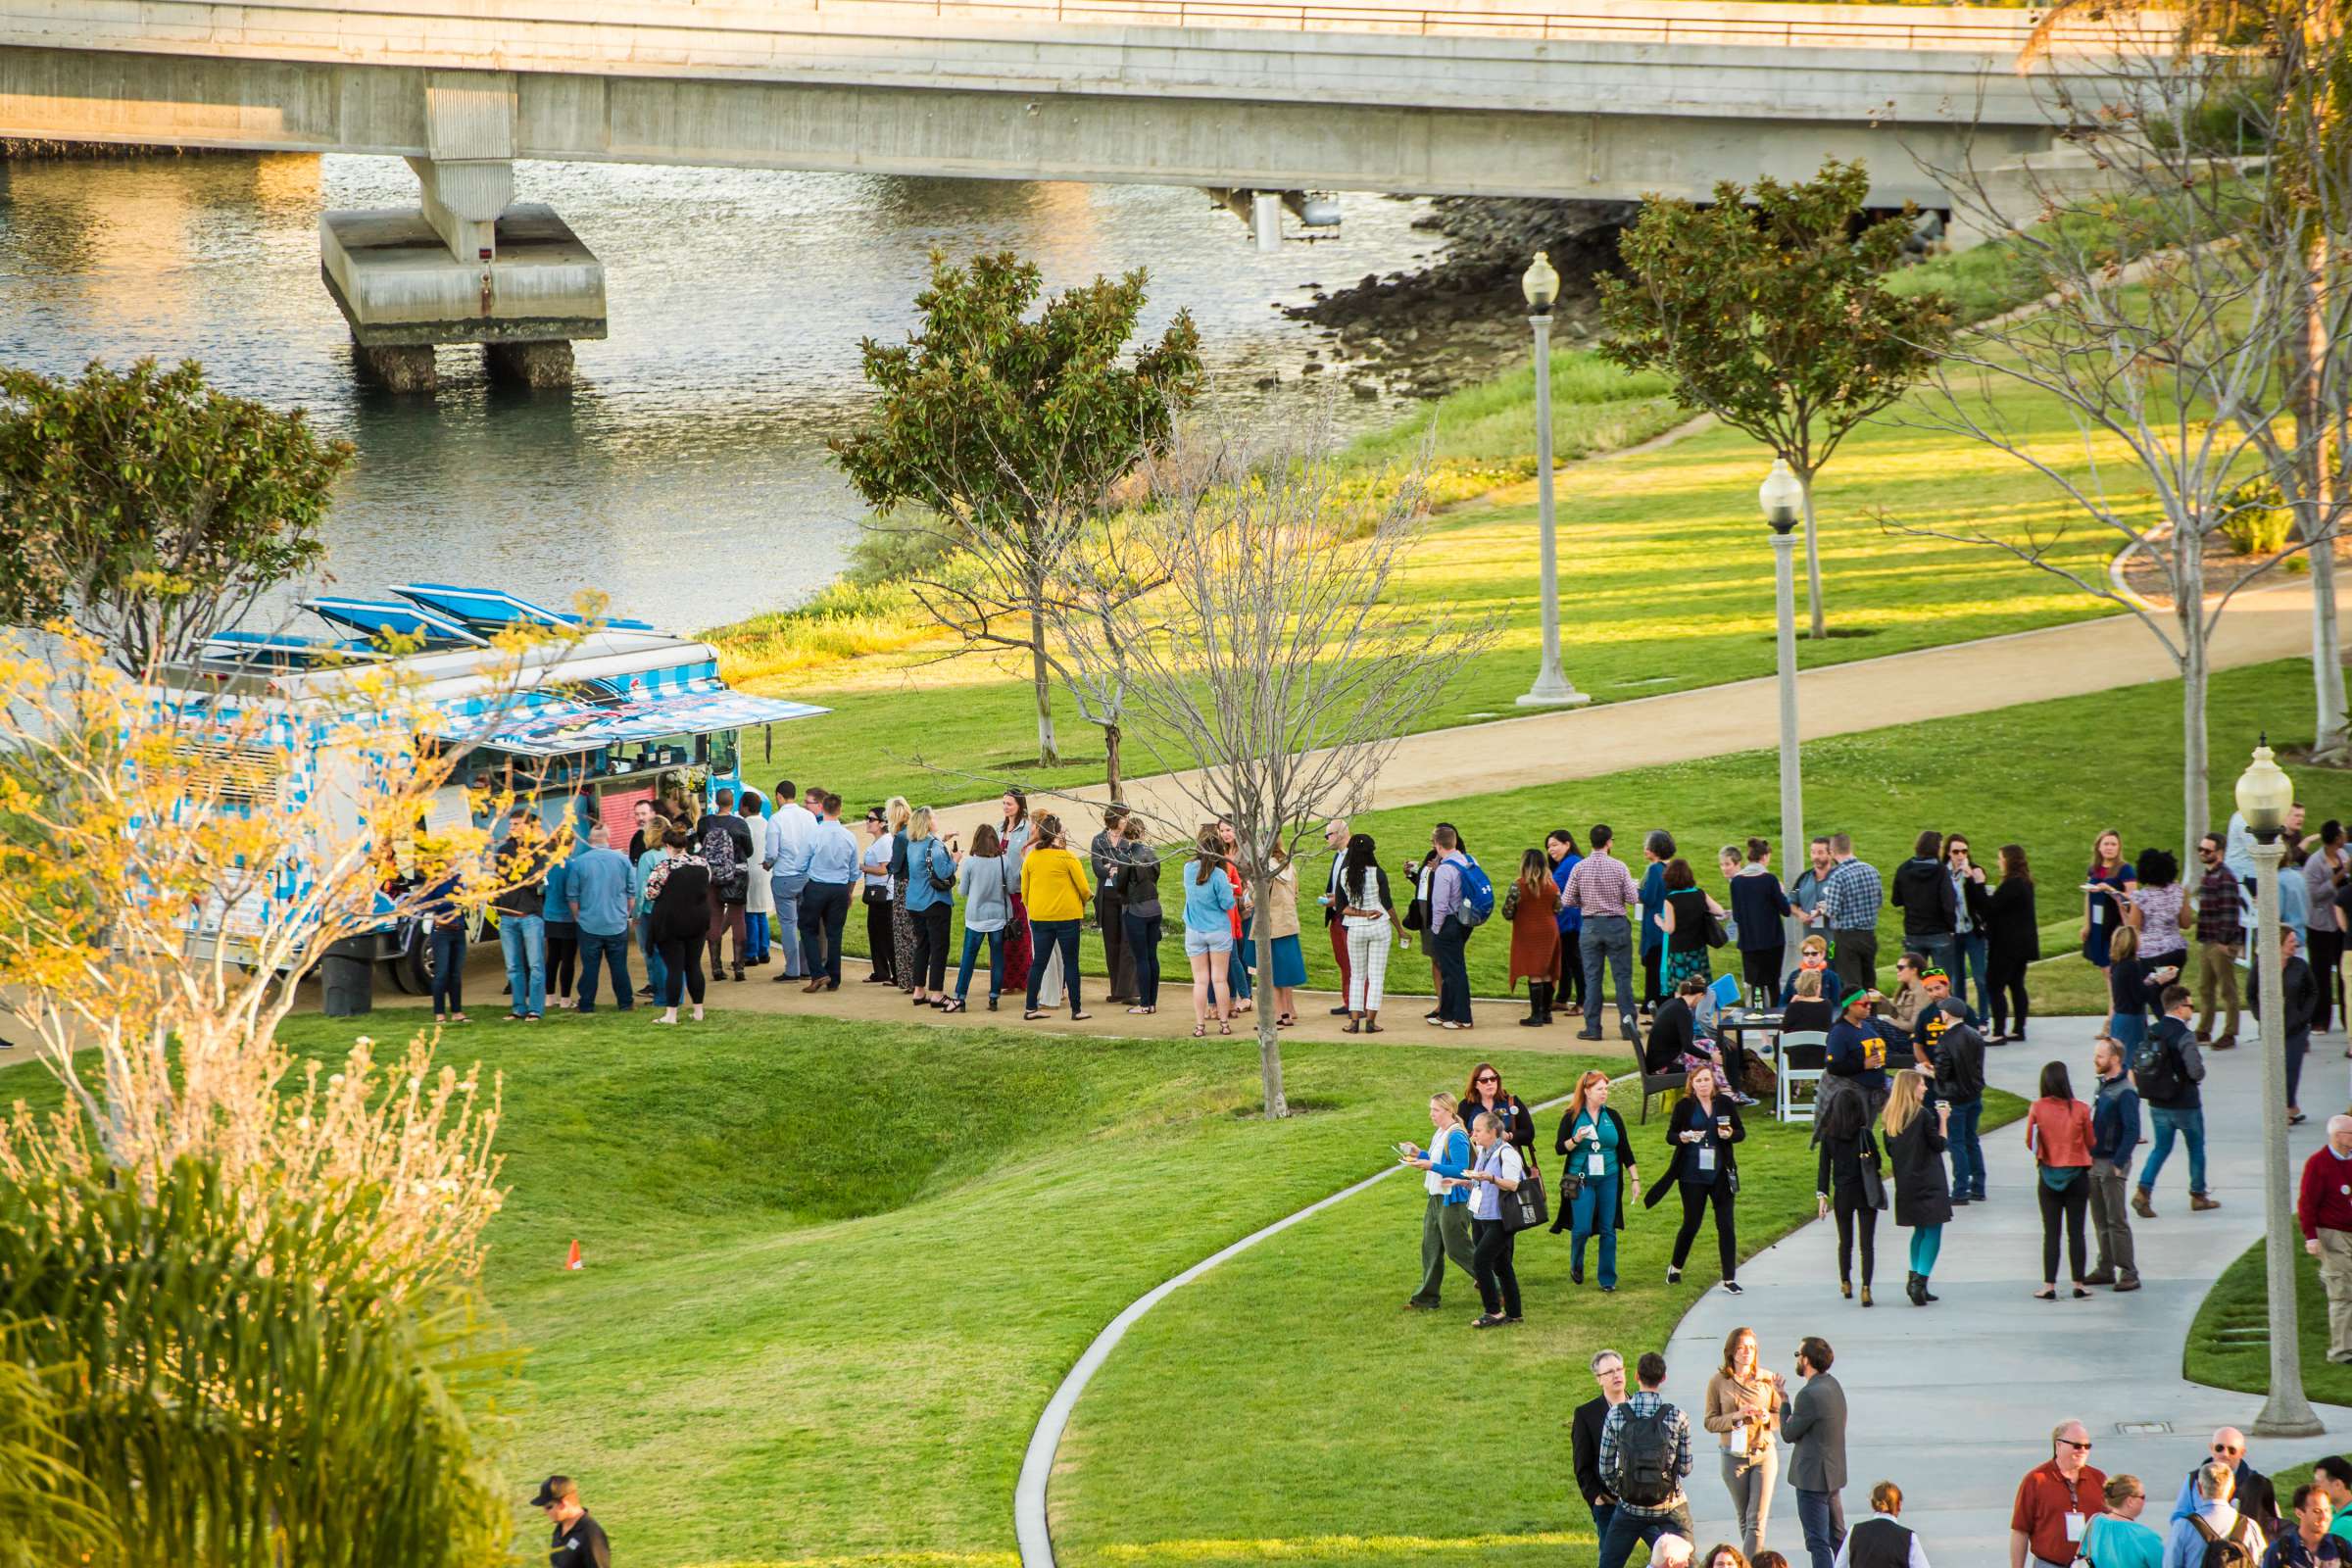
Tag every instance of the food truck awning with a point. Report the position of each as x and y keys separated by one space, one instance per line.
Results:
x=560 y=729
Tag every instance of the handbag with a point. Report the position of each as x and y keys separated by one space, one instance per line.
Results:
x=1717 y=936
x=1874 y=1184
x=875 y=892
x=1510 y=902
x=1523 y=1207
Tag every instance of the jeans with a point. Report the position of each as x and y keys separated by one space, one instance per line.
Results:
x=1973 y=952
x=2070 y=1206
x=1627 y=1527
x=1237 y=965
x=787 y=890
x=1698 y=1198
x=1821 y=1515
x=1968 y=1151
x=2298 y=1046
x=1940 y=951
x=596 y=949
x=448 y=954
x=657 y=973
x=1595 y=1215
x=1855 y=1217
x=1927 y=1244
x=1491 y=1246
x=1750 y=1489
x=1445 y=1233
x=562 y=957
x=754 y=932
x=524 y=939
x=2162 y=1125
x=1061 y=934
x=1602 y=1513
x=1142 y=950
x=1569 y=984
x=995 y=962
x=726 y=917
x=825 y=910
x=1606 y=939
x=1449 y=946
x=931 y=947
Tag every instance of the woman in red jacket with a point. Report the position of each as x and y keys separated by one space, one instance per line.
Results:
x=2058 y=1131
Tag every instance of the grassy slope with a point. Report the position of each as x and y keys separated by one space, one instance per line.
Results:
x=1304 y=1341
x=2237 y=1301
x=832 y=1274
x=2047 y=775
x=1666 y=576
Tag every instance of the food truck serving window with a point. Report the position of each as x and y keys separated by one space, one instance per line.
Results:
x=235 y=775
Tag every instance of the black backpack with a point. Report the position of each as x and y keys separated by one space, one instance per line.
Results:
x=2156 y=1069
x=1646 y=1447
x=2230 y=1551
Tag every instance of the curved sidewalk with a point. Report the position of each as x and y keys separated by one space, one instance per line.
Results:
x=1971 y=677
x=1955 y=1401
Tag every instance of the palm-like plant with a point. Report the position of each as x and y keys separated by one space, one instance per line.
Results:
x=244 y=1396
x=46 y=1515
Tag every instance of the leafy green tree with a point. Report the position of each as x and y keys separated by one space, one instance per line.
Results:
x=1011 y=432
x=1768 y=311
x=149 y=508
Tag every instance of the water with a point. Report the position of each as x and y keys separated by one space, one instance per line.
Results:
x=685 y=473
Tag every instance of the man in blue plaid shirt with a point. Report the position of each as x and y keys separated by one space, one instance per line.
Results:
x=1852 y=896
x=1644 y=1453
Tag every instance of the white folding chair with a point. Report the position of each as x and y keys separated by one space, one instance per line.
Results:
x=1804 y=1058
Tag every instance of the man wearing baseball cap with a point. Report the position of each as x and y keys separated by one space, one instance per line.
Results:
x=579 y=1541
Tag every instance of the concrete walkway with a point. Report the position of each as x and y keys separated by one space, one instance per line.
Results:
x=1972 y=677
x=1955 y=1401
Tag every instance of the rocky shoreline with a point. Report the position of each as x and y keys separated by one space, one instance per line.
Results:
x=29 y=150
x=1462 y=317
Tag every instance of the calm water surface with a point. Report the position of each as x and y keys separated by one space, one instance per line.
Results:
x=685 y=473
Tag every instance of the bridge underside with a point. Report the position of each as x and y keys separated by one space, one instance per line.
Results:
x=988 y=134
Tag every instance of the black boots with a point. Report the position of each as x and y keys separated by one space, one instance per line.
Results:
x=1916 y=1287
x=1539 y=1004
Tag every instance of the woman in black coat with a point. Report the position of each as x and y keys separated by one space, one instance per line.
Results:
x=2012 y=939
x=1923 y=1197
x=1841 y=1132
x=681 y=921
x=1703 y=1133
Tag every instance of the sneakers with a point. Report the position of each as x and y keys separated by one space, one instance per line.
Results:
x=1733 y=1288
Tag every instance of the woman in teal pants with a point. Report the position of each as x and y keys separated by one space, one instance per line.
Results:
x=1597 y=1161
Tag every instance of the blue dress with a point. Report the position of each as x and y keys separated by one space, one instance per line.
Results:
x=2107 y=910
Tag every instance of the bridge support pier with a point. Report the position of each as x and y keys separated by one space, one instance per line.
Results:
x=468 y=264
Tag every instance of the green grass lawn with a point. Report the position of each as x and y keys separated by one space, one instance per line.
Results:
x=1304 y=1342
x=2228 y=1345
x=833 y=1271
x=2046 y=775
x=1666 y=578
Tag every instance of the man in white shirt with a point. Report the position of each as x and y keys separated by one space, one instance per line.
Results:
x=784 y=860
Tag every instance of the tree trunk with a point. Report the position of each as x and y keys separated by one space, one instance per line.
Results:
x=1269 y=1040
x=2190 y=610
x=1812 y=561
x=1111 y=750
x=2332 y=734
x=1046 y=752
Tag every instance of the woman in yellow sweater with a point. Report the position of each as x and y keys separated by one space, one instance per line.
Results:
x=1055 y=889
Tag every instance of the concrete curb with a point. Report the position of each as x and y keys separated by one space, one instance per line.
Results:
x=1045 y=1441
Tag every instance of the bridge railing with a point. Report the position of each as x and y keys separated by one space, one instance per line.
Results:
x=1794 y=26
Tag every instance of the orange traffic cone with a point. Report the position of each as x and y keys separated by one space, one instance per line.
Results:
x=573 y=1259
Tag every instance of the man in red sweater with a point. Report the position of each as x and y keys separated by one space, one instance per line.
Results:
x=2324 y=1211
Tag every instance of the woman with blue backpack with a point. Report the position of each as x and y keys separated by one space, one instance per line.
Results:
x=930 y=902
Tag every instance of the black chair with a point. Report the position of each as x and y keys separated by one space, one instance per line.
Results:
x=1655 y=1083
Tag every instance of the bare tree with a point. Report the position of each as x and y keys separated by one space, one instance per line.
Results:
x=1272 y=674
x=2160 y=337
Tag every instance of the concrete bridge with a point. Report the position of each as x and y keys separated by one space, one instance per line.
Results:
x=1504 y=97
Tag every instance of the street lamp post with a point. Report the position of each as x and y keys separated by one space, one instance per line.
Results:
x=1782 y=499
x=2264 y=794
x=1551 y=688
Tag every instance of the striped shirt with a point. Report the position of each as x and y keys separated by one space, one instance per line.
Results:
x=1853 y=895
x=1600 y=885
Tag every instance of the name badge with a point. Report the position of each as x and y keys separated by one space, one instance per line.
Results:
x=1707 y=1158
x=1599 y=1167
x=2098 y=917
x=2073 y=1527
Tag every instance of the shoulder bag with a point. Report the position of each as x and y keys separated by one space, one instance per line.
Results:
x=1874 y=1182
x=1523 y=1208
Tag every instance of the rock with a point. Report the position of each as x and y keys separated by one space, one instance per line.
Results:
x=1312 y=367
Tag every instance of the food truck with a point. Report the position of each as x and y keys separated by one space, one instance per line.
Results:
x=613 y=713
